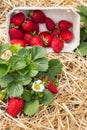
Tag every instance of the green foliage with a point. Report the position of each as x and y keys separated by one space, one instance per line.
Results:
x=27 y=95
x=82 y=10
x=3 y=48
x=48 y=97
x=22 y=65
x=82 y=49
x=32 y=70
x=4 y=68
x=37 y=53
x=15 y=89
x=21 y=70
x=17 y=62
x=31 y=108
x=5 y=80
x=83 y=34
x=42 y=64
x=54 y=69
x=24 y=80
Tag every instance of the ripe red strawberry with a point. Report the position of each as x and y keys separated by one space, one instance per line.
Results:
x=57 y=44
x=27 y=37
x=64 y=25
x=44 y=33
x=37 y=16
x=36 y=40
x=18 y=41
x=46 y=37
x=47 y=40
x=56 y=32
x=16 y=33
x=49 y=85
x=67 y=36
x=18 y=19
x=36 y=27
x=15 y=106
x=50 y=24
x=28 y=25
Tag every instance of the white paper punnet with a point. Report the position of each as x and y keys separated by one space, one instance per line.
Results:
x=57 y=14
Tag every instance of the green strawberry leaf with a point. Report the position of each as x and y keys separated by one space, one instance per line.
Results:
x=3 y=68
x=48 y=97
x=21 y=79
x=82 y=49
x=32 y=70
x=55 y=68
x=26 y=95
x=42 y=64
x=82 y=9
x=23 y=71
x=31 y=108
x=23 y=52
x=17 y=62
x=83 y=18
x=37 y=52
x=27 y=57
x=24 y=80
x=5 y=80
x=3 y=48
x=15 y=89
x=83 y=37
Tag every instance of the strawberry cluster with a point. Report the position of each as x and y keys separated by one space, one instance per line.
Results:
x=26 y=31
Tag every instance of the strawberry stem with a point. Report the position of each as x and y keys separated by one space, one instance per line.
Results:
x=56 y=26
x=13 y=26
x=45 y=40
x=30 y=13
x=34 y=33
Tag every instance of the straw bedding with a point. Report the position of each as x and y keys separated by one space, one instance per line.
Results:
x=69 y=109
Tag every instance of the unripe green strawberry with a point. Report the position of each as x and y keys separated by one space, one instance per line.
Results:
x=3 y=94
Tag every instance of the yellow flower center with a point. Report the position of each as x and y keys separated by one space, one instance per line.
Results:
x=37 y=86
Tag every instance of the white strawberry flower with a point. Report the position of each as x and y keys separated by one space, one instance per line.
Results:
x=38 y=86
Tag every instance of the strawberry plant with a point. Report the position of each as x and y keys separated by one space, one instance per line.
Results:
x=21 y=82
x=82 y=49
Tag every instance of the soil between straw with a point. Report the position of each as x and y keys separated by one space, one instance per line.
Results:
x=69 y=109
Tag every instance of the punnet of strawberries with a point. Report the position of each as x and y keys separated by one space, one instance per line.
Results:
x=27 y=78
x=25 y=30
